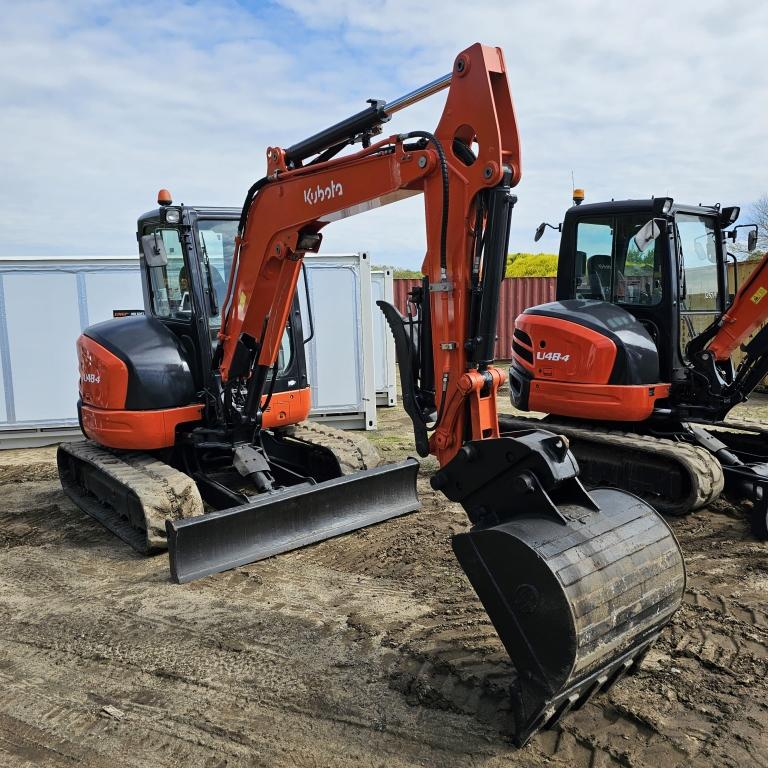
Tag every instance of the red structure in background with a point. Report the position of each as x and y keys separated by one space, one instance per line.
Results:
x=517 y=294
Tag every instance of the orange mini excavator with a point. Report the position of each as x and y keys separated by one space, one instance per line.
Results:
x=633 y=362
x=578 y=584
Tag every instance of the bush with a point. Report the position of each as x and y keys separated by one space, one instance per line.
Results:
x=518 y=265
x=531 y=265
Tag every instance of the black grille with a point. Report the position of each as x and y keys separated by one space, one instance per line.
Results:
x=523 y=336
x=526 y=354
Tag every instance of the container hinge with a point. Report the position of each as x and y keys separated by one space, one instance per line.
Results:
x=444 y=286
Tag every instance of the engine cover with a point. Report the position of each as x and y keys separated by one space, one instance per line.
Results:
x=136 y=385
x=134 y=363
x=590 y=342
x=584 y=358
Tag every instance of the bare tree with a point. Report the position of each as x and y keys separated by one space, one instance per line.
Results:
x=758 y=214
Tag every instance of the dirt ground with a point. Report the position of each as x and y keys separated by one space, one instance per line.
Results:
x=369 y=650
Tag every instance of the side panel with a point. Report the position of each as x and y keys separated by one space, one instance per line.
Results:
x=340 y=355
x=595 y=401
x=385 y=371
x=43 y=319
x=137 y=430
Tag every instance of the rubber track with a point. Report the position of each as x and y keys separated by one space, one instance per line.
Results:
x=744 y=425
x=161 y=491
x=354 y=452
x=703 y=470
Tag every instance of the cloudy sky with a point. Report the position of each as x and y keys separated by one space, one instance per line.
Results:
x=105 y=102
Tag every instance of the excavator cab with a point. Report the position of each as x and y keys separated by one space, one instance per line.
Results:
x=676 y=286
x=186 y=255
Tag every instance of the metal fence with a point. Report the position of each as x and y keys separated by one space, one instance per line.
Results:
x=517 y=294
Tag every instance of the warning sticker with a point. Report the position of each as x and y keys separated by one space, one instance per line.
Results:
x=757 y=296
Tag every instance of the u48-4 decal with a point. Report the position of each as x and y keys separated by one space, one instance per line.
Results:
x=553 y=356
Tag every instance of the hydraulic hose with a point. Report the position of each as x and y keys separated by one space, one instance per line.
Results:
x=444 y=172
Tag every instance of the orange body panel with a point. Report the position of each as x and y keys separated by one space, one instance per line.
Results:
x=137 y=430
x=564 y=351
x=151 y=430
x=103 y=377
x=287 y=408
x=601 y=402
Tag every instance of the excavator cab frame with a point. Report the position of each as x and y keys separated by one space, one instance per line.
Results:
x=197 y=327
x=661 y=308
x=692 y=303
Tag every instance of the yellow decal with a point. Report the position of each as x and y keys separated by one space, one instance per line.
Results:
x=241 y=300
x=757 y=296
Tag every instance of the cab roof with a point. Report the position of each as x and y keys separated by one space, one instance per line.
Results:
x=645 y=205
x=202 y=211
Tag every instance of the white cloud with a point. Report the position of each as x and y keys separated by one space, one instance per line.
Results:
x=103 y=103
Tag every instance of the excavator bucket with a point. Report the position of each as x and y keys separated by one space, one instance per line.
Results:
x=288 y=519
x=578 y=585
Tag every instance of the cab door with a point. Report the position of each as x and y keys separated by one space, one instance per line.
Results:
x=700 y=278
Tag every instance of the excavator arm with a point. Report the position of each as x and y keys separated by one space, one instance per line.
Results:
x=711 y=352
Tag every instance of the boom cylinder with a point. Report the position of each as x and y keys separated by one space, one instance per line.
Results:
x=367 y=120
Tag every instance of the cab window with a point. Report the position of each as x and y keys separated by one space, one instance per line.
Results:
x=637 y=275
x=700 y=270
x=594 y=257
x=170 y=284
x=699 y=287
x=216 y=249
x=609 y=265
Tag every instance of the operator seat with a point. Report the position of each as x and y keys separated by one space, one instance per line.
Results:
x=599 y=272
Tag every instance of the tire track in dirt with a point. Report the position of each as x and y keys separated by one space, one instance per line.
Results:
x=368 y=649
x=224 y=676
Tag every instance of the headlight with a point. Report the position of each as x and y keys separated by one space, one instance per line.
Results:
x=172 y=216
x=667 y=207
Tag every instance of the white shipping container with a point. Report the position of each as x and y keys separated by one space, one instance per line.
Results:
x=45 y=303
x=340 y=357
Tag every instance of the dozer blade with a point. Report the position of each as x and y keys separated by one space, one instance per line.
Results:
x=290 y=519
x=578 y=585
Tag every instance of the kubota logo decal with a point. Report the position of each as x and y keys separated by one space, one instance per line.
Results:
x=320 y=194
x=553 y=356
x=91 y=378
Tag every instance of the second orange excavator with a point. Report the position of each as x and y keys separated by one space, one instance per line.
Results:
x=634 y=362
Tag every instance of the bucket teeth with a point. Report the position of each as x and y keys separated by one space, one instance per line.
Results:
x=577 y=587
